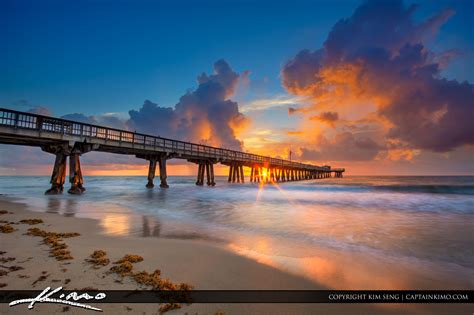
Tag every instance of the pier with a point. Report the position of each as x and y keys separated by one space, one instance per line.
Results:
x=68 y=139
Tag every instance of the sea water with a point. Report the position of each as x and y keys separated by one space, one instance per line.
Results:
x=348 y=233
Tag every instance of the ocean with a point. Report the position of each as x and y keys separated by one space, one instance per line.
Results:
x=374 y=232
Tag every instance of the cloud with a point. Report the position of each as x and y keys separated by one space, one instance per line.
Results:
x=343 y=147
x=205 y=115
x=327 y=117
x=279 y=101
x=40 y=110
x=378 y=55
x=107 y=120
x=295 y=133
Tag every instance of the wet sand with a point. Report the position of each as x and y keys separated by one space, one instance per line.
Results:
x=200 y=264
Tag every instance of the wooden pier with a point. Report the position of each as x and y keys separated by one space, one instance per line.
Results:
x=70 y=139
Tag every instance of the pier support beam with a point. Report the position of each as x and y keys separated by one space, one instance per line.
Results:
x=151 y=173
x=58 y=176
x=75 y=175
x=236 y=173
x=200 y=174
x=205 y=170
x=257 y=175
x=154 y=161
x=231 y=172
x=163 y=174
x=212 y=181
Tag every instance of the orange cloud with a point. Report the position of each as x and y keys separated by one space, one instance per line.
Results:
x=295 y=133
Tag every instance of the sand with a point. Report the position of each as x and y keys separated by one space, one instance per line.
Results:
x=200 y=264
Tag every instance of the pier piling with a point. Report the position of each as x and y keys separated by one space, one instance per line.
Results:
x=163 y=175
x=58 y=176
x=151 y=173
x=75 y=175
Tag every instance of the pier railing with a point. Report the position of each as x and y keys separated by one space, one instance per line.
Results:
x=31 y=121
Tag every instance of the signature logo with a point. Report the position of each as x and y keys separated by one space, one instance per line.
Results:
x=70 y=299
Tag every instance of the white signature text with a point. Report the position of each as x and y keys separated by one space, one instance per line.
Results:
x=70 y=299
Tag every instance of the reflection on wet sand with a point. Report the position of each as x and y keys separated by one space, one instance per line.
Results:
x=115 y=223
x=347 y=270
x=68 y=207
x=54 y=205
x=151 y=227
x=350 y=269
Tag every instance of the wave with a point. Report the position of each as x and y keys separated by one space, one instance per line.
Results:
x=432 y=189
x=429 y=189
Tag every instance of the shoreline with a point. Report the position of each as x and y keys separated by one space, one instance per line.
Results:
x=198 y=263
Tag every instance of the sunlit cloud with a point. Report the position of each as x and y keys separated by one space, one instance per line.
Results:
x=279 y=101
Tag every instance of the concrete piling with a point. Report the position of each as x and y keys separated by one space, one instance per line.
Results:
x=75 y=175
x=206 y=170
x=151 y=173
x=163 y=175
x=58 y=176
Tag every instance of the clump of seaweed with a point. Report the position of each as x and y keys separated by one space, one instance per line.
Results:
x=99 y=258
x=147 y=279
x=123 y=269
x=3 y=211
x=60 y=254
x=130 y=258
x=124 y=265
x=42 y=233
x=168 y=307
x=31 y=221
x=6 y=259
x=58 y=249
x=7 y=228
x=155 y=281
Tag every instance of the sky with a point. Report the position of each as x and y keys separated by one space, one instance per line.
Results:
x=377 y=87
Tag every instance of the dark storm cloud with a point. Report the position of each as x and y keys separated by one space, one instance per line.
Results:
x=344 y=147
x=205 y=115
x=379 y=54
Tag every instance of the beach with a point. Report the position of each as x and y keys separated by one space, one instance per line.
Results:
x=202 y=265
x=205 y=261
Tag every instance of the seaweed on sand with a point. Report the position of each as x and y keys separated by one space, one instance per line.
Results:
x=58 y=249
x=99 y=258
x=31 y=221
x=7 y=228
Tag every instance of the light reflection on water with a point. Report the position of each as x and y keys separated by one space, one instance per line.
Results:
x=351 y=233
